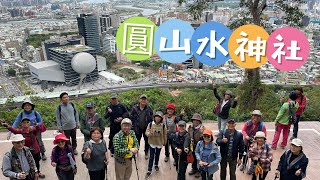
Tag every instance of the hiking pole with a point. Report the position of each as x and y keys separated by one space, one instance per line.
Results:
x=135 y=161
x=178 y=169
x=169 y=154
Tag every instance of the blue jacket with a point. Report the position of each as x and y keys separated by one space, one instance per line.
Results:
x=214 y=156
x=287 y=171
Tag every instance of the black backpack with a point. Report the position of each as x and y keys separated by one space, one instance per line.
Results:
x=292 y=117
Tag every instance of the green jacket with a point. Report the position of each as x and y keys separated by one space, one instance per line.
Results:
x=120 y=144
x=87 y=125
x=283 y=114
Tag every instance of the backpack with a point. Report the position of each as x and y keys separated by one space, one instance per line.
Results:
x=56 y=153
x=292 y=117
x=249 y=127
x=150 y=125
x=91 y=147
x=74 y=111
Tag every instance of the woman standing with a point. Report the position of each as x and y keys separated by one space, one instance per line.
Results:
x=208 y=156
x=260 y=153
x=293 y=162
x=60 y=159
x=29 y=133
x=95 y=155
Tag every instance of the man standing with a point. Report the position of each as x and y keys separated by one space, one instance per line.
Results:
x=141 y=116
x=223 y=107
x=125 y=147
x=90 y=120
x=231 y=146
x=68 y=119
x=19 y=163
x=115 y=111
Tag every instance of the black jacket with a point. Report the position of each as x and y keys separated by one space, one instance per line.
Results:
x=288 y=173
x=224 y=114
x=118 y=110
x=237 y=148
x=181 y=141
x=135 y=117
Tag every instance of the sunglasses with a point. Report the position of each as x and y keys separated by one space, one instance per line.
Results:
x=206 y=136
x=19 y=142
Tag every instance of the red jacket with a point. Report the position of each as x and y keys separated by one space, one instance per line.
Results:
x=302 y=104
x=30 y=137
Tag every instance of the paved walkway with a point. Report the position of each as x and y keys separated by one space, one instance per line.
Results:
x=309 y=132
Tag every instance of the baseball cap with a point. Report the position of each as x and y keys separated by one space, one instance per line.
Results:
x=126 y=121
x=297 y=142
x=182 y=123
x=143 y=96
x=113 y=96
x=231 y=120
x=207 y=132
x=89 y=105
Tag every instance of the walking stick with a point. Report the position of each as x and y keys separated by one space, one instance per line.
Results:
x=246 y=159
x=178 y=169
x=169 y=154
x=135 y=161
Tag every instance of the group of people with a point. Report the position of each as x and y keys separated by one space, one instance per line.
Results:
x=194 y=144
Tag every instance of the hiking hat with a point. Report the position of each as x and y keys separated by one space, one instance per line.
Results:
x=158 y=113
x=256 y=112
x=297 y=142
x=207 y=132
x=143 y=96
x=113 y=96
x=29 y=102
x=171 y=106
x=25 y=119
x=260 y=134
x=17 y=138
x=90 y=105
x=228 y=92
x=60 y=137
x=126 y=121
x=182 y=123
x=196 y=116
x=231 y=121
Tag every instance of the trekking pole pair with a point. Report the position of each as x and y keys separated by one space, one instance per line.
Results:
x=135 y=161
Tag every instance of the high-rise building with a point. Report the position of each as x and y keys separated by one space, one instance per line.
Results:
x=105 y=23
x=109 y=44
x=115 y=20
x=89 y=29
x=52 y=43
x=63 y=56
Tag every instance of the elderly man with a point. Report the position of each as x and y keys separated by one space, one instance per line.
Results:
x=19 y=163
x=125 y=147
x=141 y=116
x=115 y=111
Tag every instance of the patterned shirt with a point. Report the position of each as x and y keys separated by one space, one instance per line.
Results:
x=264 y=154
x=121 y=145
x=230 y=145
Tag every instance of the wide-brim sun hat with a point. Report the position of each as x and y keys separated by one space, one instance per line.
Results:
x=60 y=137
x=17 y=138
x=260 y=134
x=126 y=121
x=256 y=112
x=29 y=102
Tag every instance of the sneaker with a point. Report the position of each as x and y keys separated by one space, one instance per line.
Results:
x=148 y=174
x=174 y=163
x=241 y=167
x=43 y=157
x=75 y=152
x=283 y=147
x=112 y=155
x=42 y=176
x=192 y=172
x=156 y=168
x=166 y=159
x=146 y=156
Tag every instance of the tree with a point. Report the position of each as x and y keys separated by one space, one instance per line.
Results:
x=11 y=72
x=251 y=13
x=110 y=59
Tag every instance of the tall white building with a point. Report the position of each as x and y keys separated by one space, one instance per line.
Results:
x=109 y=44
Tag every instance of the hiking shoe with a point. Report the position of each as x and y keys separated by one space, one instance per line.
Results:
x=75 y=152
x=148 y=174
x=241 y=167
x=156 y=168
x=43 y=157
x=166 y=159
x=146 y=156
x=197 y=175
x=192 y=172
x=42 y=176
